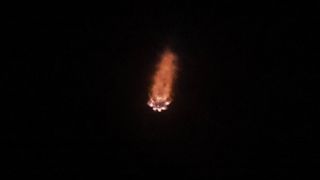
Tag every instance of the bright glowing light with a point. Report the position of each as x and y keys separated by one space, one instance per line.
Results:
x=160 y=96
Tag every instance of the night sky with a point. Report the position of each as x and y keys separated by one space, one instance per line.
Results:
x=76 y=87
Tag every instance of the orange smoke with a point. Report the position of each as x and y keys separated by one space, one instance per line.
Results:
x=161 y=89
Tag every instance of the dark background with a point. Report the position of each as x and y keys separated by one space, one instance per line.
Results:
x=76 y=87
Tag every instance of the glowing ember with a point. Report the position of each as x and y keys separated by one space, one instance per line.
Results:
x=161 y=90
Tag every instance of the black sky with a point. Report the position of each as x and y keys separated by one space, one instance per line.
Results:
x=76 y=87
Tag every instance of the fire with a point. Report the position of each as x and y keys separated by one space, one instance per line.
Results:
x=160 y=96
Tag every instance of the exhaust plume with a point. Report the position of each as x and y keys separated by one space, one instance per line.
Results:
x=160 y=95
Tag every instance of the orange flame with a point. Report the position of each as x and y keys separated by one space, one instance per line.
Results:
x=161 y=89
